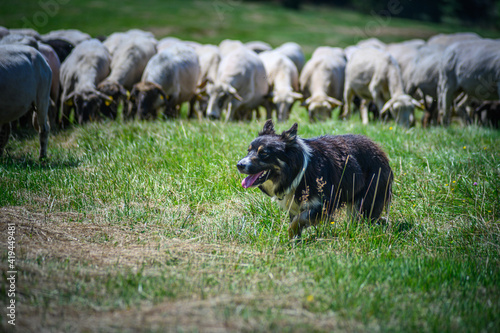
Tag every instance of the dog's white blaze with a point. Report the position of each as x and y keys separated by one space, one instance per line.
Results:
x=307 y=156
x=287 y=201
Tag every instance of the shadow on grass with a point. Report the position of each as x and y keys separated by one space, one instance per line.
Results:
x=30 y=163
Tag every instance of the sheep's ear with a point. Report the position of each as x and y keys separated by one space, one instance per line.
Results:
x=232 y=90
x=297 y=96
x=291 y=134
x=69 y=99
x=387 y=106
x=333 y=102
x=124 y=92
x=418 y=104
x=268 y=128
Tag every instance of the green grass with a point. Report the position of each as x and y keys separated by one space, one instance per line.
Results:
x=144 y=226
x=171 y=187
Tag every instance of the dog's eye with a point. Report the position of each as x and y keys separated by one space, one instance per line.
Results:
x=263 y=153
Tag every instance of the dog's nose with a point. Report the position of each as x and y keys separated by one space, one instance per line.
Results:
x=240 y=165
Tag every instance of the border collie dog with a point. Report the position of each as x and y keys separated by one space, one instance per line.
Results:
x=311 y=178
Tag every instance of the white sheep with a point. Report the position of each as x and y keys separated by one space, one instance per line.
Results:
x=471 y=67
x=374 y=75
x=240 y=87
x=81 y=72
x=283 y=80
x=169 y=79
x=322 y=82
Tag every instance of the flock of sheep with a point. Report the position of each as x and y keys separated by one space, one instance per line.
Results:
x=67 y=72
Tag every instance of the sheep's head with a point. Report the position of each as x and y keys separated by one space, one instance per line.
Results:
x=222 y=96
x=320 y=107
x=116 y=92
x=284 y=100
x=87 y=104
x=402 y=109
x=145 y=100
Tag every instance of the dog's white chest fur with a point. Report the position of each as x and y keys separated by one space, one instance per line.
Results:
x=287 y=203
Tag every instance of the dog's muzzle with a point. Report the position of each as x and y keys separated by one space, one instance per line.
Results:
x=243 y=165
x=253 y=179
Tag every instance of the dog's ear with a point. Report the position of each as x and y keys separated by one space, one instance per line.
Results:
x=291 y=134
x=268 y=128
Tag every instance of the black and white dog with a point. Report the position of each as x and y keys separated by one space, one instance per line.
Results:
x=311 y=178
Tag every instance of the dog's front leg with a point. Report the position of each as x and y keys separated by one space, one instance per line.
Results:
x=303 y=220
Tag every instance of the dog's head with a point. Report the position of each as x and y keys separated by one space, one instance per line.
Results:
x=269 y=156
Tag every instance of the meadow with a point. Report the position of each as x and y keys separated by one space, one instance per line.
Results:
x=144 y=226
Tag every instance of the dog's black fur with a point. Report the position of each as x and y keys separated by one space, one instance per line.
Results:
x=311 y=178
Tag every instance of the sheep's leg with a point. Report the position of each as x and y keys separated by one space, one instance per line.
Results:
x=4 y=136
x=348 y=96
x=40 y=123
x=193 y=113
x=363 y=110
x=229 y=114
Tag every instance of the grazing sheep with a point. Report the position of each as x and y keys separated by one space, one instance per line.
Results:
x=27 y=32
x=3 y=32
x=61 y=47
x=209 y=57
x=240 y=87
x=448 y=39
x=169 y=79
x=117 y=39
x=55 y=66
x=72 y=36
x=228 y=45
x=404 y=52
x=81 y=72
x=293 y=51
x=283 y=80
x=128 y=61
x=471 y=67
x=258 y=46
x=421 y=76
x=20 y=39
x=322 y=82
x=25 y=80
x=374 y=75
x=488 y=113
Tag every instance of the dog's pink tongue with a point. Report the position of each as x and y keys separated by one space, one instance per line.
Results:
x=248 y=181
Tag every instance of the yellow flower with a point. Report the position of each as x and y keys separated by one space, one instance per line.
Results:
x=465 y=147
x=390 y=128
x=454 y=182
x=310 y=298
x=445 y=184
